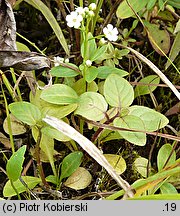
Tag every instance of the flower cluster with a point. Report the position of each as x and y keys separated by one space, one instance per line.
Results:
x=58 y=60
x=75 y=18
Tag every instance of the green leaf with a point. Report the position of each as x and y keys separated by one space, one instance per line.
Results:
x=16 y=126
x=164 y=154
x=55 y=134
x=105 y=71
x=168 y=188
x=91 y=47
x=140 y=164
x=70 y=163
x=177 y=28
x=117 y=162
x=31 y=182
x=118 y=92
x=151 y=4
x=92 y=106
x=91 y=74
x=52 y=22
x=145 y=89
x=108 y=135
x=59 y=94
x=79 y=180
x=25 y=112
x=159 y=39
x=152 y=119
x=131 y=122
x=22 y=47
x=175 y=50
x=92 y=87
x=53 y=179
x=100 y=51
x=124 y=11
x=174 y=3
x=61 y=71
x=158 y=197
x=14 y=164
x=80 y=86
x=58 y=111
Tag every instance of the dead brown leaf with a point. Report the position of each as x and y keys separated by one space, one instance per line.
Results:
x=26 y=61
x=7 y=26
x=173 y=110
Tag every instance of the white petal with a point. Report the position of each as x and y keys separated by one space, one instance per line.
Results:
x=110 y=27
x=77 y=24
x=70 y=24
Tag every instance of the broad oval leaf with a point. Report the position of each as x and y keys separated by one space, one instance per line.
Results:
x=59 y=94
x=152 y=119
x=117 y=162
x=146 y=89
x=55 y=134
x=16 y=126
x=31 y=182
x=105 y=71
x=62 y=71
x=124 y=11
x=92 y=106
x=131 y=122
x=140 y=164
x=14 y=164
x=79 y=180
x=168 y=188
x=26 y=112
x=70 y=163
x=57 y=110
x=163 y=156
x=91 y=74
x=159 y=39
x=118 y=92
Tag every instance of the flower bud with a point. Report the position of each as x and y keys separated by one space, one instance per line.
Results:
x=88 y=63
x=92 y=6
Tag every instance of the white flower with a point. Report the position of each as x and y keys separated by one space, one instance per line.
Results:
x=88 y=63
x=110 y=33
x=58 y=60
x=80 y=11
x=74 y=19
x=92 y=6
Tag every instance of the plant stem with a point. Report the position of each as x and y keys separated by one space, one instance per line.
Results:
x=31 y=43
x=39 y=163
x=8 y=85
x=8 y=120
x=100 y=3
x=14 y=79
x=12 y=184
